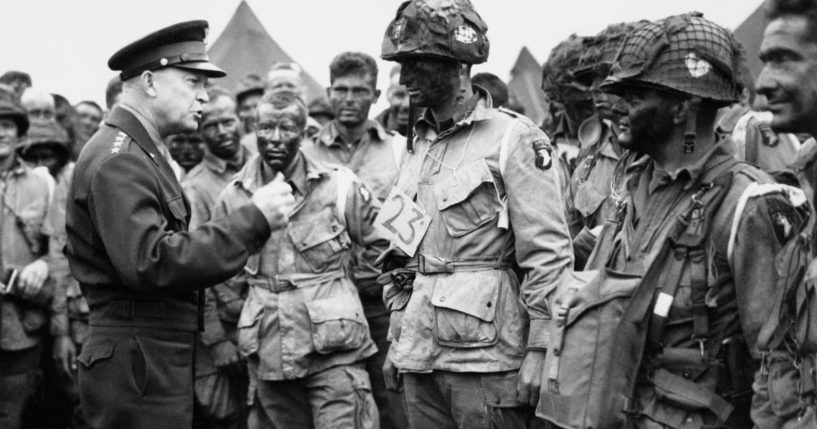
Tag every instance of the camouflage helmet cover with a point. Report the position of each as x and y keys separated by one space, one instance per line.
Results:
x=558 y=81
x=446 y=29
x=682 y=53
x=599 y=52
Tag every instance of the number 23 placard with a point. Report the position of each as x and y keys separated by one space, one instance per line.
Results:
x=402 y=221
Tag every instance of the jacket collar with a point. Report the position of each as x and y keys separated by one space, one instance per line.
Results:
x=692 y=174
x=125 y=120
x=329 y=134
x=251 y=177
x=479 y=109
x=219 y=165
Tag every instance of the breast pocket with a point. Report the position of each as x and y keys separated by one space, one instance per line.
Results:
x=319 y=238
x=465 y=311
x=468 y=198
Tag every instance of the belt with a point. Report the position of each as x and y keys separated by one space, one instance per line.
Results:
x=284 y=282
x=427 y=264
x=144 y=313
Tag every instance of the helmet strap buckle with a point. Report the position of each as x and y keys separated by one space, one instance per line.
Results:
x=691 y=124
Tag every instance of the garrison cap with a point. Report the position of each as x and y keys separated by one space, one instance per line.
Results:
x=180 y=45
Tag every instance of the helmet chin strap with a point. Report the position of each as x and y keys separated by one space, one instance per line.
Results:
x=410 y=129
x=691 y=124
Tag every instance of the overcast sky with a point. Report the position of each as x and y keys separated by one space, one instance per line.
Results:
x=65 y=44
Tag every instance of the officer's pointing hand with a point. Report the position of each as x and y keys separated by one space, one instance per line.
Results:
x=275 y=200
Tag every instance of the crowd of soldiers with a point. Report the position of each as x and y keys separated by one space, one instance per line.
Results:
x=190 y=256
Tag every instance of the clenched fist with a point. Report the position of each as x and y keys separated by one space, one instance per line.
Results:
x=275 y=200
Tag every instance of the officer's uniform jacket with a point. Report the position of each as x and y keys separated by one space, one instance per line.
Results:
x=128 y=244
x=739 y=290
x=69 y=309
x=372 y=158
x=25 y=202
x=467 y=310
x=302 y=313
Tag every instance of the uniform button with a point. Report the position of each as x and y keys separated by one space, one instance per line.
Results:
x=334 y=228
x=444 y=198
x=442 y=299
x=489 y=304
x=498 y=401
x=686 y=374
x=689 y=419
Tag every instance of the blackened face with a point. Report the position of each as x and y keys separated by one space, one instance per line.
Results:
x=187 y=149
x=279 y=135
x=220 y=128
x=789 y=75
x=647 y=119
x=430 y=83
x=47 y=156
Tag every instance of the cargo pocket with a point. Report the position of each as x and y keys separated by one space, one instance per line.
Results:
x=468 y=199
x=782 y=385
x=319 y=238
x=249 y=323
x=397 y=308
x=337 y=324
x=95 y=352
x=464 y=311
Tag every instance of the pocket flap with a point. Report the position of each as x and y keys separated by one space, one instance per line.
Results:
x=323 y=310
x=588 y=199
x=476 y=294
x=250 y=313
x=595 y=288
x=308 y=233
x=95 y=352
x=177 y=208
x=460 y=185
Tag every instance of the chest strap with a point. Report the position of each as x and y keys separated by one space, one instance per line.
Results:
x=428 y=264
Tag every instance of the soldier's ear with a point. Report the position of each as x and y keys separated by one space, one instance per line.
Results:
x=148 y=81
x=376 y=96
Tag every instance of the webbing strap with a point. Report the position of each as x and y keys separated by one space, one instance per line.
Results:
x=504 y=147
x=698 y=284
x=344 y=183
x=670 y=282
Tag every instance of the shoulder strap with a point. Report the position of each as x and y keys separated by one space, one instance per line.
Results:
x=344 y=182
x=504 y=148
x=398 y=147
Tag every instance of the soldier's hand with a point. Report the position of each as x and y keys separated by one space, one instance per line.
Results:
x=226 y=357
x=65 y=353
x=530 y=378
x=275 y=200
x=32 y=278
x=390 y=376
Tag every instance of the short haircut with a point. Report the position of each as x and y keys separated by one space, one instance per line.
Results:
x=214 y=92
x=90 y=103
x=14 y=75
x=806 y=8
x=286 y=66
x=112 y=91
x=353 y=63
x=495 y=86
x=283 y=99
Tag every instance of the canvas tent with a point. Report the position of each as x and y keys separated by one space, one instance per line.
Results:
x=245 y=47
x=525 y=86
x=750 y=34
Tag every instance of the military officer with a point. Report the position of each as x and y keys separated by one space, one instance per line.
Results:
x=128 y=244
x=476 y=193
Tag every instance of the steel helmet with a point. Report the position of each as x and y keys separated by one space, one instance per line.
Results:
x=558 y=81
x=599 y=52
x=445 y=29
x=681 y=53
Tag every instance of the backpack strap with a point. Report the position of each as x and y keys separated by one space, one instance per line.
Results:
x=504 y=148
